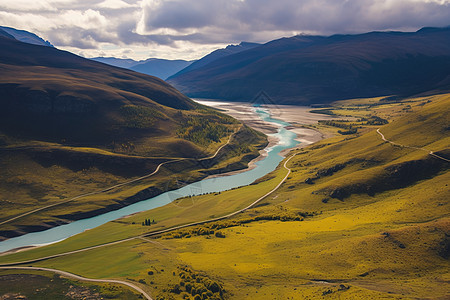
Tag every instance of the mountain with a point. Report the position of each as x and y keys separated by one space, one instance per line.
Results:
x=161 y=68
x=5 y=34
x=71 y=126
x=25 y=36
x=316 y=69
x=117 y=62
x=219 y=53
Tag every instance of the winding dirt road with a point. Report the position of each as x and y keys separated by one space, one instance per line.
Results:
x=160 y=231
x=76 y=277
x=117 y=185
x=411 y=147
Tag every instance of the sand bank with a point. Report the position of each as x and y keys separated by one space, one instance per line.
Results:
x=297 y=116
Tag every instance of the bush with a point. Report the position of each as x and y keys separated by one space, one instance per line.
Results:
x=219 y=234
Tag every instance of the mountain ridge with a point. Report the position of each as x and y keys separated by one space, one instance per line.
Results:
x=26 y=36
x=215 y=55
x=315 y=69
x=161 y=68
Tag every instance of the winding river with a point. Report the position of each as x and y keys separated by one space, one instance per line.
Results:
x=286 y=140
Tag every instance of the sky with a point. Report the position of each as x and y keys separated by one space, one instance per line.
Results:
x=190 y=29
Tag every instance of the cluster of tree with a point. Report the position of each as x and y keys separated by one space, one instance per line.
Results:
x=213 y=228
x=197 y=285
x=373 y=120
x=350 y=131
x=198 y=231
x=202 y=131
x=148 y=222
x=336 y=124
x=136 y=116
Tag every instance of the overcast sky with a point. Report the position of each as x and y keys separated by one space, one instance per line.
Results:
x=189 y=29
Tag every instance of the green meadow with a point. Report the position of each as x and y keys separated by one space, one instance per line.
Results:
x=357 y=218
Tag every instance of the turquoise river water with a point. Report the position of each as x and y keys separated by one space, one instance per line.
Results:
x=269 y=163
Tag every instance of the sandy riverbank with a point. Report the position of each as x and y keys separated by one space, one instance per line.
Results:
x=297 y=116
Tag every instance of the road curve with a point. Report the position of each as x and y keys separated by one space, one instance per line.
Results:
x=160 y=231
x=411 y=147
x=117 y=185
x=73 y=276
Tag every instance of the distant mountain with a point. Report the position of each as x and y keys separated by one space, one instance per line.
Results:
x=117 y=62
x=219 y=53
x=70 y=125
x=25 y=36
x=161 y=68
x=317 y=69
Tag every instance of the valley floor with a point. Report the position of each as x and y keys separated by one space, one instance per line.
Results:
x=357 y=218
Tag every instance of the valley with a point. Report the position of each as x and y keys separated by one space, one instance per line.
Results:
x=350 y=220
x=313 y=162
x=80 y=138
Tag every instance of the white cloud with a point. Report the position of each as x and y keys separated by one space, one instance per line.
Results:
x=115 y=4
x=89 y=19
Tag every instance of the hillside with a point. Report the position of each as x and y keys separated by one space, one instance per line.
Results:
x=161 y=68
x=70 y=126
x=315 y=69
x=357 y=218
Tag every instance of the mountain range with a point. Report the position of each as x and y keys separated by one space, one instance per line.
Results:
x=166 y=69
x=161 y=68
x=317 y=69
x=64 y=118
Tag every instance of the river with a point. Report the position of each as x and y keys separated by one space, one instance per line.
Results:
x=286 y=140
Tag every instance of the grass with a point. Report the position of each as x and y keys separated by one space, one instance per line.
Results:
x=70 y=126
x=388 y=242
x=179 y=212
x=39 y=178
x=47 y=285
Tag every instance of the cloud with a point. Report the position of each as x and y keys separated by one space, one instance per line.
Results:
x=180 y=27
x=319 y=16
x=115 y=4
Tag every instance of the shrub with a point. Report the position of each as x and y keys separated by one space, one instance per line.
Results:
x=219 y=234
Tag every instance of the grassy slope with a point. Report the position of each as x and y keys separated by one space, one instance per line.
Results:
x=30 y=183
x=70 y=126
x=391 y=244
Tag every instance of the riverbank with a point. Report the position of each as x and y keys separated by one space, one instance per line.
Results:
x=132 y=191
x=205 y=186
x=297 y=116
